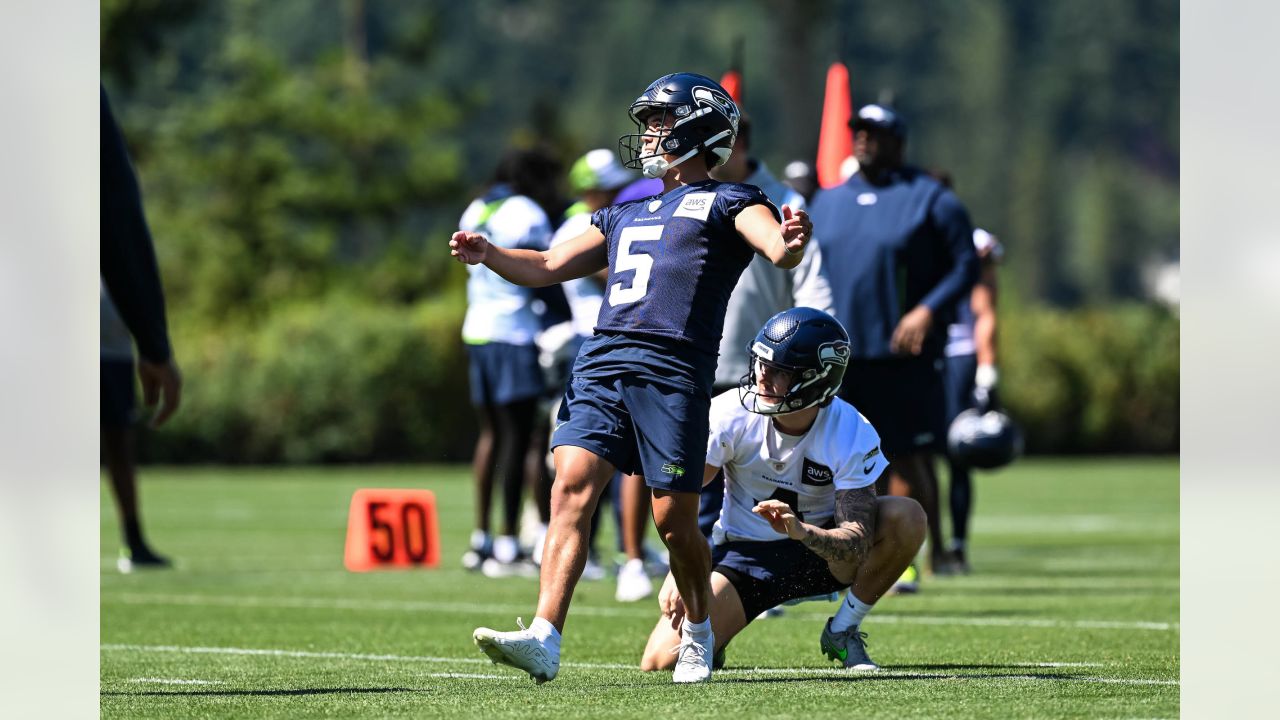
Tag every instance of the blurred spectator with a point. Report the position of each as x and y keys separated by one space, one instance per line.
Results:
x=131 y=277
x=800 y=176
x=899 y=249
x=595 y=179
x=971 y=374
x=499 y=330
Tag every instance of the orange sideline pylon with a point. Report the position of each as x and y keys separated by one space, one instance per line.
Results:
x=835 y=140
x=392 y=527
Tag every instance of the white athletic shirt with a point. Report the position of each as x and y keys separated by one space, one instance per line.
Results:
x=497 y=310
x=840 y=452
x=584 y=294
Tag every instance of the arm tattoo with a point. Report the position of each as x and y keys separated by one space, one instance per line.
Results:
x=850 y=540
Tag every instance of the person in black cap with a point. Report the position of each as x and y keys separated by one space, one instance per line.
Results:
x=899 y=253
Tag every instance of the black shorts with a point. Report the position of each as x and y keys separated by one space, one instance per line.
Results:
x=903 y=398
x=767 y=574
x=116 y=393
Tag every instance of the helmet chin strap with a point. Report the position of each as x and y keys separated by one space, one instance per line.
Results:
x=656 y=167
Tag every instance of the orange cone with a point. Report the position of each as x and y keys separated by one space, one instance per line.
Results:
x=835 y=140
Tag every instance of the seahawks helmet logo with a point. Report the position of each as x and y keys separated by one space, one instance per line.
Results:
x=835 y=353
x=703 y=95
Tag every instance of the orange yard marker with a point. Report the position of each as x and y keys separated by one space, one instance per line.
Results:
x=392 y=527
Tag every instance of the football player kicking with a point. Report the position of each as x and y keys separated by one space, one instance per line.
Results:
x=800 y=514
x=640 y=392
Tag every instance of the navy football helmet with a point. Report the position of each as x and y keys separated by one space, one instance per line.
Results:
x=984 y=439
x=706 y=119
x=809 y=344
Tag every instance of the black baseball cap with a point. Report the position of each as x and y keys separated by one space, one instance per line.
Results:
x=881 y=118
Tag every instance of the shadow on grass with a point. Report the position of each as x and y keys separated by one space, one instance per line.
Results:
x=264 y=693
x=896 y=677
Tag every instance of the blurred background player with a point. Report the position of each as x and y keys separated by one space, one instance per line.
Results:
x=802 y=517
x=499 y=330
x=970 y=374
x=899 y=247
x=762 y=292
x=595 y=179
x=640 y=395
x=130 y=275
x=801 y=177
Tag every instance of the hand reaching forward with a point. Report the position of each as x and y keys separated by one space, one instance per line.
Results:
x=781 y=518
x=796 y=229
x=469 y=247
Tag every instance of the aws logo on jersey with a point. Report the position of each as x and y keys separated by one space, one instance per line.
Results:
x=816 y=474
x=696 y=205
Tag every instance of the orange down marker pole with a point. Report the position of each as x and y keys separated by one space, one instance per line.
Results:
x=392 y=527
x=835 y=139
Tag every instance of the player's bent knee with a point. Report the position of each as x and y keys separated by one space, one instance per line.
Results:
x=905 y=519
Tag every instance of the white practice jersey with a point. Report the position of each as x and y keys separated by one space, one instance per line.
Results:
x=497 y=310
x=584 y=294
x=840 y=452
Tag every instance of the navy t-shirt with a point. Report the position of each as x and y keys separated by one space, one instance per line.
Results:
x=674 y=259
x=890 y=247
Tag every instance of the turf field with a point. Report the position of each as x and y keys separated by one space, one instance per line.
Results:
x=1071 y=611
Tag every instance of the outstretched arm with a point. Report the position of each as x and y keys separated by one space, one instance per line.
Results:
x=847 y=543
x=575 y=258
x=782 y=244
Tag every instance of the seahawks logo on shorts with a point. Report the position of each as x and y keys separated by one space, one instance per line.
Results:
x=816 y=474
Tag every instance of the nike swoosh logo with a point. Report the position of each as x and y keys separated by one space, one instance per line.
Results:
x=867 y=470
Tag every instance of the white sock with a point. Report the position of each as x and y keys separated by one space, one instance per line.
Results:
x=696 y=630
x=634 y=566
x=546 y=633
x=505 y=548
x=851 y=613
x=480 y=541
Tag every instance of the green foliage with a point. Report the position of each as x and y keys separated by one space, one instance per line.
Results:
x=337 y=380
x=1092 y=380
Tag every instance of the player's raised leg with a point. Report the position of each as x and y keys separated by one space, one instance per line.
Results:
x=580 y=478
x=676 y=516
x=901 y=527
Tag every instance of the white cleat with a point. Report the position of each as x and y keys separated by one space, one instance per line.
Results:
x=521 y=650
x=633 y=582
x=693 y=659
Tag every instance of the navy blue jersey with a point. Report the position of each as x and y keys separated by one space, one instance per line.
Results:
x=674 y=259
x=890 y=247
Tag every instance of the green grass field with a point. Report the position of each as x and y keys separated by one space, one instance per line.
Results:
x=1071 y=611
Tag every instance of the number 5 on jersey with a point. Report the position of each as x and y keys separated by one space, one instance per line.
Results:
x=641 y=262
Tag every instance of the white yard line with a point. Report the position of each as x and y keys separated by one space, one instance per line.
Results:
x=804 y=671
x=174 y=681
x=645 y=611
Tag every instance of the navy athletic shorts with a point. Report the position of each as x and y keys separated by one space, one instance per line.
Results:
x=767 y=574
x=903 y=398
x=117 y=393
x=642 y=405
x=961 y=370
x=502 y=373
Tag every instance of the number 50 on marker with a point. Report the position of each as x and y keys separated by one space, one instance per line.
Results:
x=392 y=527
